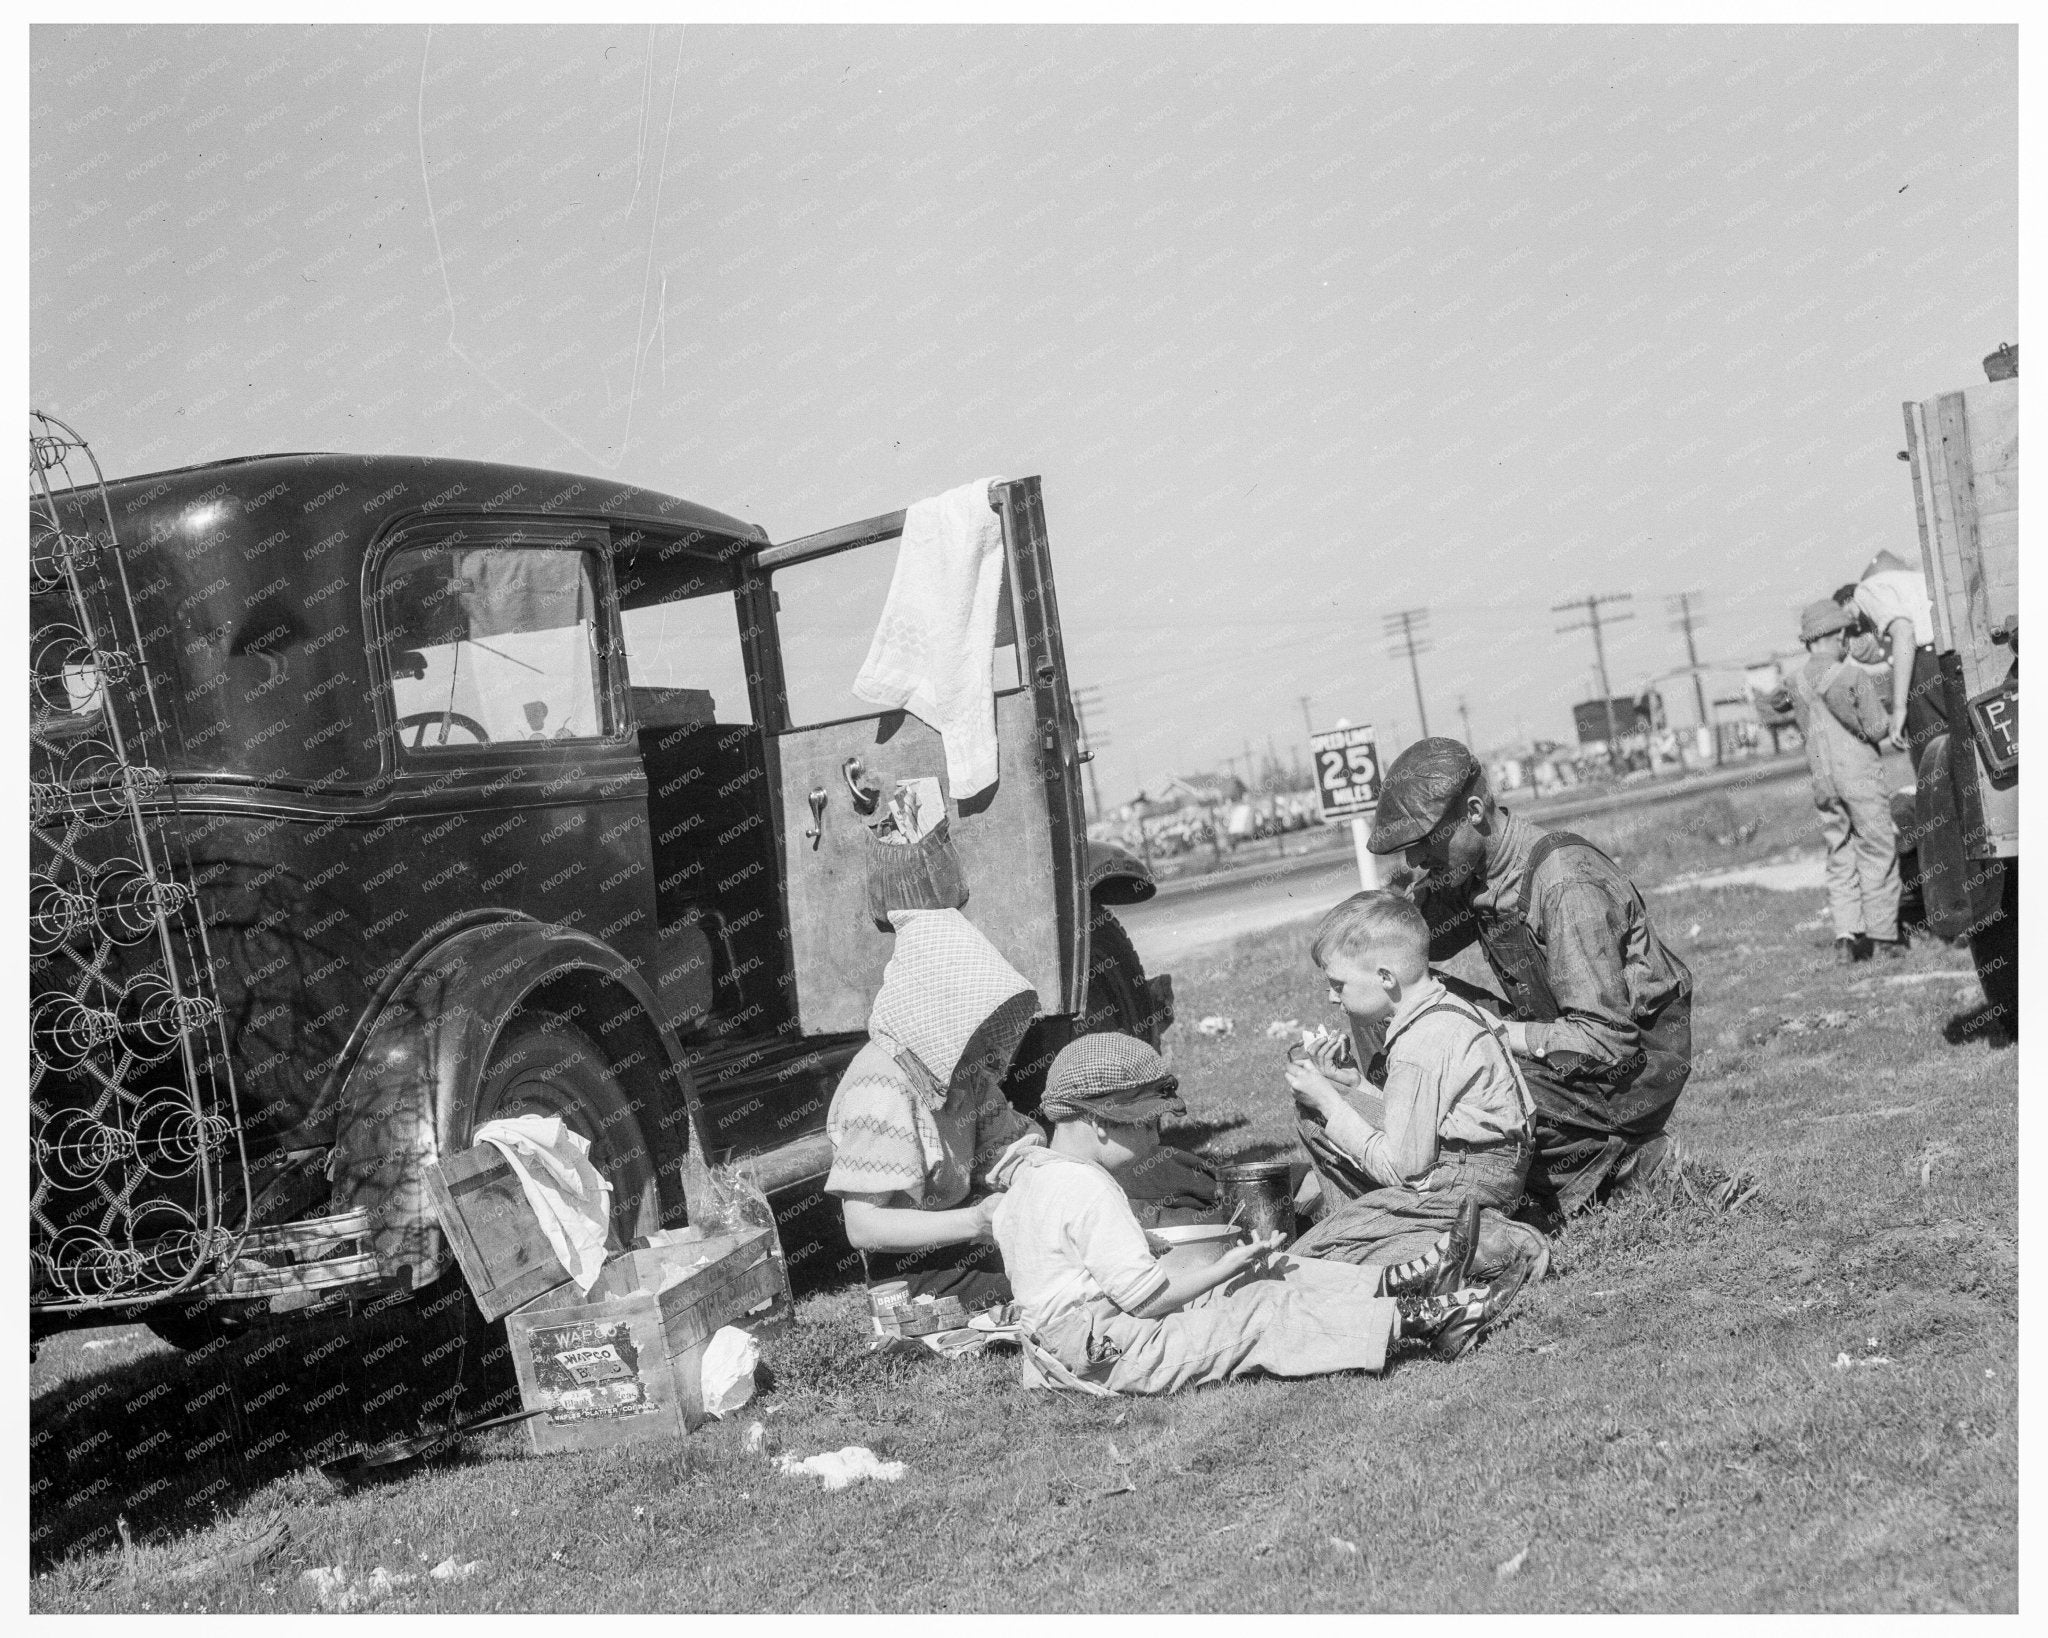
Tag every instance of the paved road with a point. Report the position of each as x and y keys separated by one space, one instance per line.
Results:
x=1170 y=927
x=1192 y=916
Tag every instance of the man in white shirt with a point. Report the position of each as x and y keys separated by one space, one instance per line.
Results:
x=1892 y=595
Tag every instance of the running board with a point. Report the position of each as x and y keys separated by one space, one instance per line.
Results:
x=789 y=1166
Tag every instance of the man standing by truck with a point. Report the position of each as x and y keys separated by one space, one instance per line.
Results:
x=1892 y=596
x=1842 y=719
x=1599 y=1011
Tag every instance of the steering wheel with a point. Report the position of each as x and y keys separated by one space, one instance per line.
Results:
x=448 y=719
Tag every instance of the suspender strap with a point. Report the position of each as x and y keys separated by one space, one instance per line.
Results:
x=1545 y=845
x=1459 y=1007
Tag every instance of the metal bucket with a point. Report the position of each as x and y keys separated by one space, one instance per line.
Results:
x=1265 y=1189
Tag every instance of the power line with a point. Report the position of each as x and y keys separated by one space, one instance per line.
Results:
x=1592 y=623
x=1405 y=629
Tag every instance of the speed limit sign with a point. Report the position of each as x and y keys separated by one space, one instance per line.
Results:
x=1347 y=771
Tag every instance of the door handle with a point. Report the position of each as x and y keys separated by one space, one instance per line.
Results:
x=865 y=796
x=817 y=831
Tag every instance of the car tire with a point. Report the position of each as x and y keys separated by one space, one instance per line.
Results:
x=543 y=1065
x=1995 y=948
x=1118 y=998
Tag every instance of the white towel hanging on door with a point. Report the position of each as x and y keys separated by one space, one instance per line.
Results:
x=934 y=648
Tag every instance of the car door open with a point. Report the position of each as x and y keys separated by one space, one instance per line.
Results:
x=810 y=608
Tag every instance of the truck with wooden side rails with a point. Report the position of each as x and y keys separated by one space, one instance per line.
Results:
x=377 y=797
x=1964 y=450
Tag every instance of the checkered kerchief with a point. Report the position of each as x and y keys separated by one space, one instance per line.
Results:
x=943 y=982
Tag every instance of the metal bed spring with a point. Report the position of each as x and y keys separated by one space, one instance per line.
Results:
x=127 y=1198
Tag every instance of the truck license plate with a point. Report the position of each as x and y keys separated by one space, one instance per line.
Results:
x=1996 y=713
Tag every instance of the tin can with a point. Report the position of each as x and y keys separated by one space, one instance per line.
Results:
x=885 y=1300
x=1265 y=1189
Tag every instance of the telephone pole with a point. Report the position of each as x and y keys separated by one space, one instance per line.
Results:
x=1404 y=630
x=1687 y=620
x=1465 y=717
x=1592 y=623
x=1083 y=698
x=1307 y=722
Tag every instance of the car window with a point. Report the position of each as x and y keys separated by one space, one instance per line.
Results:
x=826 y=612
x=685 y=663
x=493 y=644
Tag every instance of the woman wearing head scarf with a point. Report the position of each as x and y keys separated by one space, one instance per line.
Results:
x=919 y=1121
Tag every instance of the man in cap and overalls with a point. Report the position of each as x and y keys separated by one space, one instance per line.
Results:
x=1841 y=717
x=1598 y=1010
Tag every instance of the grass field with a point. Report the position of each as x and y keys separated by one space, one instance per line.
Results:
x=1810 y=1404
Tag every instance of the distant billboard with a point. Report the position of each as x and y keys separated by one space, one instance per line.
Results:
x=1589 y=719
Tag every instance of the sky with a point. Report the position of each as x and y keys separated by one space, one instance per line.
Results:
x=1301 y=327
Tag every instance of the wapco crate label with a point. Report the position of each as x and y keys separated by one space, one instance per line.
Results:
x=589 y=1370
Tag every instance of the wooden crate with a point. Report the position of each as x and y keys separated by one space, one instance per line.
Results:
x=496 y=1239
x=623 y=1363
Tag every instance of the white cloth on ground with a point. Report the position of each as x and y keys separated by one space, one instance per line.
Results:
x=726 y=1376
x=934 y=646
x=569 y=1196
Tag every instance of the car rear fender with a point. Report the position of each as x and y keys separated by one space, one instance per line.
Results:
x=410 y=1094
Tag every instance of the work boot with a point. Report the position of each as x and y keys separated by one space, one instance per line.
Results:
x=1501 y=1241
x=1644 y=1161
x=1454 y=1321
x=1845 y=952
x=1445 y=1266
x=1894 y=948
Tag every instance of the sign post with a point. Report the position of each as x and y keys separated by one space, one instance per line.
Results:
x=1347 y=763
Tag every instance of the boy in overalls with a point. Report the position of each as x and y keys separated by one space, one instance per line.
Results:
x=1843 y=721
x=1453 y=1129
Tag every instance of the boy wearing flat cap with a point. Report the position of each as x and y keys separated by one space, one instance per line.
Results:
x=1598 y=1011
x=1090 y=1288
x=1842 y=718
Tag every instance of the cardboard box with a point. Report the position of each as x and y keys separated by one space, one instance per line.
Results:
x=624 y=1362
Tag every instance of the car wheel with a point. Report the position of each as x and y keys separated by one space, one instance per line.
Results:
x=544 y=1065
x=1118 y=998
x=1995 y=948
